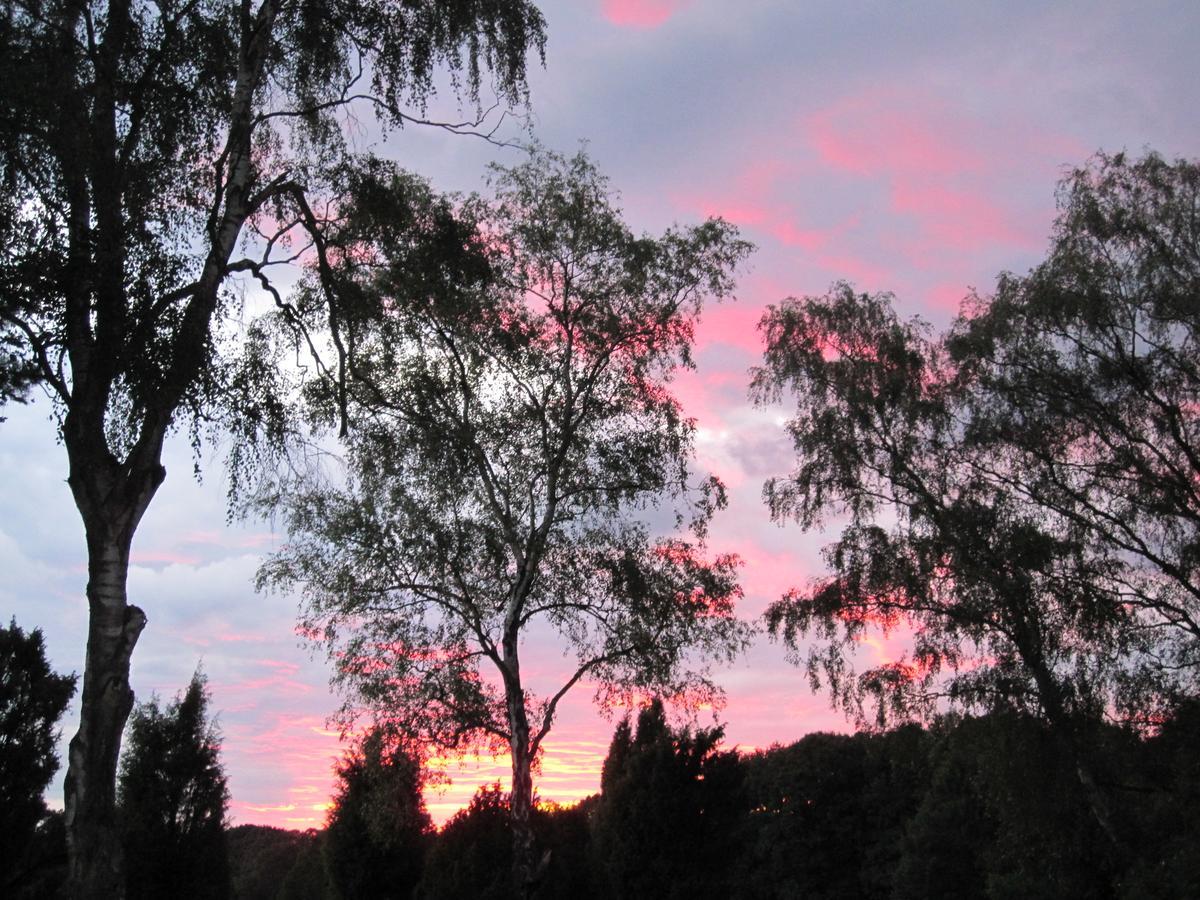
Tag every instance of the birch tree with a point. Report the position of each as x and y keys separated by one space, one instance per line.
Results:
x=151 y=151
x=518 y=471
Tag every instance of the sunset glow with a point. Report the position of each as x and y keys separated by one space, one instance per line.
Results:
x=912 y=149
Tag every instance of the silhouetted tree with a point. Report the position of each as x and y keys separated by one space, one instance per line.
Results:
x=1039 y=464
x=268 y=863
x=45 y=862
x=1082 y=382
x=1165 y=779
x=945 y=844
x=565 y=832
x=828 y=814
x=1005 y=816
x=143 y=147
x=472 y=854
x=173 y=798
x=308 y=878
x=511 y=429
x=32 y=699
x=378 y=828
x=671 y=812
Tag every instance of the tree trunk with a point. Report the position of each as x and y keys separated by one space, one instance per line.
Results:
x=111 y=502
x=527 y=871
x=1066 y=729
x=96 y=868
x=525 y=874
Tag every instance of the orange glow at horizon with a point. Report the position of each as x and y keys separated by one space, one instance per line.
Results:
x=568 y=771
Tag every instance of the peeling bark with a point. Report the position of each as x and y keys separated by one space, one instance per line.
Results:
x=527 y=869
x=111 y=501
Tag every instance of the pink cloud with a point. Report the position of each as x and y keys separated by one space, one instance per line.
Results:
x=226 y=636
x=947 y=297
x=766 y=575
x=943 y=171
x=756 y=199
x=805 y=238
x=734 y=325
x=883 y=132
x=961 y=219
x=861 y=272
x=641 y=13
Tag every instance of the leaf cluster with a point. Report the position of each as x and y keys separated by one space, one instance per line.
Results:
x=141 y=142
x=512 y=436
x=1021 y=490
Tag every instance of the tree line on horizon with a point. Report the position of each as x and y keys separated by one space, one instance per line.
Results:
x=983 y=806
x=1020 y=492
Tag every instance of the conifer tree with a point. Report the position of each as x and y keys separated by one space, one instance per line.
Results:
x=173 y=798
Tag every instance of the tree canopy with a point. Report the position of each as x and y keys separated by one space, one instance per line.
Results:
x=153 y=154
x=32 y=700
x=173 y=797
x=513 y=433
x=378 y=828
x=1087 y=372
x=1020 y=490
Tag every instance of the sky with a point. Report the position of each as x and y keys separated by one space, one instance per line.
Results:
x=911 y=147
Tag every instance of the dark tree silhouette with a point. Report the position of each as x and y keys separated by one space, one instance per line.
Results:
x=1168 y=864
x=1039 y=463
x=472 y=854
x=1085 y=375
x=173 y=797
x=828 y=814
x=276 y=864
x=1003 y=815
x=670 y=818
x=512 y=428
x=143 y=146
x=378 y=828
x=32 y=699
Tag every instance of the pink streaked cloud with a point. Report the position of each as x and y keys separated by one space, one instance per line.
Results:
x=881 y=132
x=641 y=13
x=943 y=166
x=960 y=219
x=300 y=752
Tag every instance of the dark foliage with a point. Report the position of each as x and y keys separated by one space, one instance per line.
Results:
x=1004 y=815
x=472 y=855
x=669 y=819
x=173 y=797
x=144 y=148
x=32 y=699
x=828 y=814
x=44 y=866
x=1165 y=785
x=378 y=830
x=516 y=452
x=273 y=864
